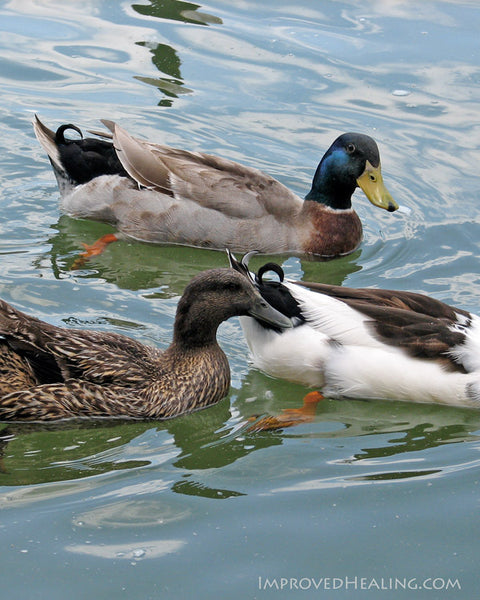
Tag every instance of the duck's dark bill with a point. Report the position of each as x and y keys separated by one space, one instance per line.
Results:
x=264 y=312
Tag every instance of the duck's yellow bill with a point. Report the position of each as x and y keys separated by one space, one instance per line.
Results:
x=371 y=182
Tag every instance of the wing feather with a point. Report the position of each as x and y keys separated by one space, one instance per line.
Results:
x=422 y=326
x=56 y=353
x=212 y=182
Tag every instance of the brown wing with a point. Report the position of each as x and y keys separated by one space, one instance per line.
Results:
x=420 y=335
x=105 y=358
x=411 y=301
x=56 y=353
x=213 y=182
x=422 y=326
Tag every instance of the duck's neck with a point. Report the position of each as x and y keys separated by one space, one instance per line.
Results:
x=195 y=328
x=329 y=188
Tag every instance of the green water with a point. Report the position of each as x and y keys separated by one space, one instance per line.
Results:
x=370 y=494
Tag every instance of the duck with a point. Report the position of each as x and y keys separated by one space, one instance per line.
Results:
x=365 y=343
x=49 y=372
x=154 y=193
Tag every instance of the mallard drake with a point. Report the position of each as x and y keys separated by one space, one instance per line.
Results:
x=49 y=372
x=366 y=343
x=155 y=193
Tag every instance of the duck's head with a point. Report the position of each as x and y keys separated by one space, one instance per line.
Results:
x=213 y=297
x=276 y=294
x=351 y=161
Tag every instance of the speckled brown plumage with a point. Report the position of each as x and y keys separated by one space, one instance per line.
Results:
x=49 y=372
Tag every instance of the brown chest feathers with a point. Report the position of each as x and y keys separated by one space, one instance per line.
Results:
x=331 y=232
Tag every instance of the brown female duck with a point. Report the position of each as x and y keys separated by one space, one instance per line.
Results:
x=155 y=193
x=49 y=372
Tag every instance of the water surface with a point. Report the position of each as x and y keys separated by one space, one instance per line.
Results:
x=202 y=506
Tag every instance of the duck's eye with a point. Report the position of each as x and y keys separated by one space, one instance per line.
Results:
x=350 y=148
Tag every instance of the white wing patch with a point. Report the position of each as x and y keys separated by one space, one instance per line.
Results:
x=468 y=353
x=333 y=317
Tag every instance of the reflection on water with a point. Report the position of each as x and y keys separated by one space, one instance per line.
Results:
x=221 y=436
x=64 y=450
x=168 y=267
x=149 y=549
x=272 y=84
x=175 y=10
x=131 y=512
x=164 y=57
x=166 y=60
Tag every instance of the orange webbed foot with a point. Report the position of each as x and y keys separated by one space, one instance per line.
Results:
x=289 y=417
x=93 y=250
